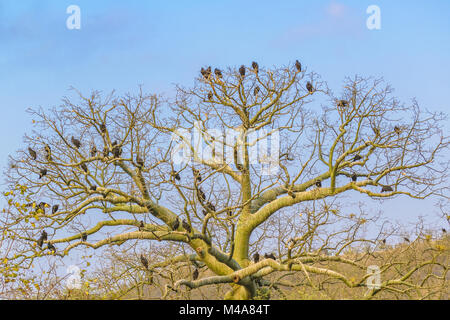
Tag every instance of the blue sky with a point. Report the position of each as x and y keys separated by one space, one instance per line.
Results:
x=123 y=44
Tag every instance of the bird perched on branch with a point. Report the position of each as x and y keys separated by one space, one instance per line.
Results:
x=76 y=142
x=256 y=91
x=144 y=262
x=32 y=153
x=406 y=239
x=197 y=174
x=141 y=226
x=201 y=195
x=175 y=175
x=255 y=66
x=309 y=87
x=342 y=103
x=116 y=151
x=318 y=183
x=298 y=66
x=93 y=188
x=195 y=274
x=42 y=238
x=242 y=71
x=354 y=177
x=357 y=158
x=270 y=256
x=186 y=226
x=210 y=96
x=55 y=208
x=256 y=257
x=397 y=130
x=42 y=173
x=443 y=230
x=175 y=224
x=218 y=73
x=210 y=206
x=51 y=247
x=386 y=189
x=84 y=237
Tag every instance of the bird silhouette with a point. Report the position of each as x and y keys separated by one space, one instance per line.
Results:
x=186 y=226
x=354 y=177
x=309 y=87
x=218 y=73
x=175 y=225
x=298 y=66
x=102 y=128
x=93 y=188
x=176 y=175
x=197 y=174
x=256 y=91
x=406 y=239
x=342 y=103
x=42 y=173
x=141 y=226
x=144 y=262
x=195 y=274
x=55 y=208
x=84 y=167
x=443 y=230
x=397 y=129
x=116 y=151
x=270 y=256
x=318 y=183
x=210 y=96
x=84 y=237
x=48 y=152
x=51 y=247
x=255 y=66
x=42 y=238
x=242 y=71
x=76 y=142
x=386 y=189
x=32 y=153
x=256 y=257
x=357 y=157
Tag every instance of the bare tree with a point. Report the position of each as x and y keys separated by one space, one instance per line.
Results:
x=107 y=162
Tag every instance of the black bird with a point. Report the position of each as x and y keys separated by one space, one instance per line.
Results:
x=342 y=103
x=406 y=239
x=218 y=73
x=204 y=212
x=298 y=66
x=386 y=189
x=93 y=188
x=139 y=161
x=210 y=206
x=357 y=157
x=76 y=142
x=197 y=174
x=195 y=274
x=242 y=71
x=42 y=238
x=204 y=73
x=42 y=173
x=144 y=261
x=84 y=236
x=93 y=151
x=292 y=194
x=384 y=241
x=256 y=257
x=229 y=212
x=176 y=175
x=318 y=184
x=55 y=208
x=175 y=225
x=255 y=66
x=309 y=87
x=256 y=91
x=141 y=226
x=397 y=129
x=354 y=177
x=201 y=195
x=51 y=247
x=210 y=96
x=102 y=128
x=84 y=167
x=443 y=230
x=117 y=151
x=32 y=153
x=186 y=226
x=270 y=256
